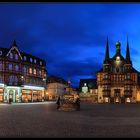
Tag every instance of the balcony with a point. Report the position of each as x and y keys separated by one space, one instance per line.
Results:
x=128 y=82
x=106 y=94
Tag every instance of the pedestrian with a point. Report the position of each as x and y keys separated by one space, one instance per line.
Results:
x=58 y=102
x=78 y=103
x=10 y=100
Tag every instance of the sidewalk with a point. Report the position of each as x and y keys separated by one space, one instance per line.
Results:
x=46 y=102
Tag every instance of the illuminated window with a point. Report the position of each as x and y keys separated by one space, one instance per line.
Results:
x=40 y=72
x=34 y=71
x=30 y=70
x=117 y=58
x=16 y=56
x=85 y=84
x=10 y=66
x=35 y=61
x=40 y=62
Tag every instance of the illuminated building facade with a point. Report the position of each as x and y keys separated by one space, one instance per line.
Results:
x=22 y=76
x=117 y=81
x=56 y=86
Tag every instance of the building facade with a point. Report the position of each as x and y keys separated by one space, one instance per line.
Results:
x=118 y=80
x=56 y=86
x=22 y=76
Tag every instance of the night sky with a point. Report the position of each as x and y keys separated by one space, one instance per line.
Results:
x=71 y=37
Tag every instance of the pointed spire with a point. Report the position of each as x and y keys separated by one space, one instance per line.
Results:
x=127 y=52
x=14 y=43
x=107 y=52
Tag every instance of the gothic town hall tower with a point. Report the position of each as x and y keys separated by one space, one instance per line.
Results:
x=117 y=81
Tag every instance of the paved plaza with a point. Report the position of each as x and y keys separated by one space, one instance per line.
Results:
x=94 y=120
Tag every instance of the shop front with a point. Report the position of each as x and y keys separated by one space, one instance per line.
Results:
x=32 y=94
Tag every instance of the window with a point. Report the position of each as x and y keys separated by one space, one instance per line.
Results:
x=11 y=55
x=24 y=69
x=10 y=66
x=16 y=67
x=34 y=71
x=16 y=56
x=0 y=66
x=30 y=70
x=0 y=78
x=0 y=52
x=40 y=62
x=40 y=72
x=13 y=78
x=35 y=61
x=16 y=79
x=25 y=58
x=31 y=60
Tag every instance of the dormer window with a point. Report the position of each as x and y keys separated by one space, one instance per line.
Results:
x=16 y=56
x=25 y=58
x=31 y=60
x=11 y=55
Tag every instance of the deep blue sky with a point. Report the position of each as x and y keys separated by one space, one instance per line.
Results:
x=71 y=37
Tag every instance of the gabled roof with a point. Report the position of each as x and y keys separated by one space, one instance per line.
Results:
x=56 y=79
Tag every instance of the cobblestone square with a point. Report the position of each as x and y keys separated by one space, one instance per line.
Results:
x=93 y=120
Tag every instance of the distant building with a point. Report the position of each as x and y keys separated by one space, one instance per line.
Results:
x=88 y=86
x=118 y=80
x=55 y=86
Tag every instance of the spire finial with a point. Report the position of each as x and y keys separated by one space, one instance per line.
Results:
x=127 y=52
x=14 y=43
x=107 y=51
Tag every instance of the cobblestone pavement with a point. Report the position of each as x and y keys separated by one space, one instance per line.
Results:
x=93 y=120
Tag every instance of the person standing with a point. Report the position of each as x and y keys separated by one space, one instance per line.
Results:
x=58 y=102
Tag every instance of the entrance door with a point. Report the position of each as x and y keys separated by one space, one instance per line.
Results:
x=117 y=96
x=11 y=95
